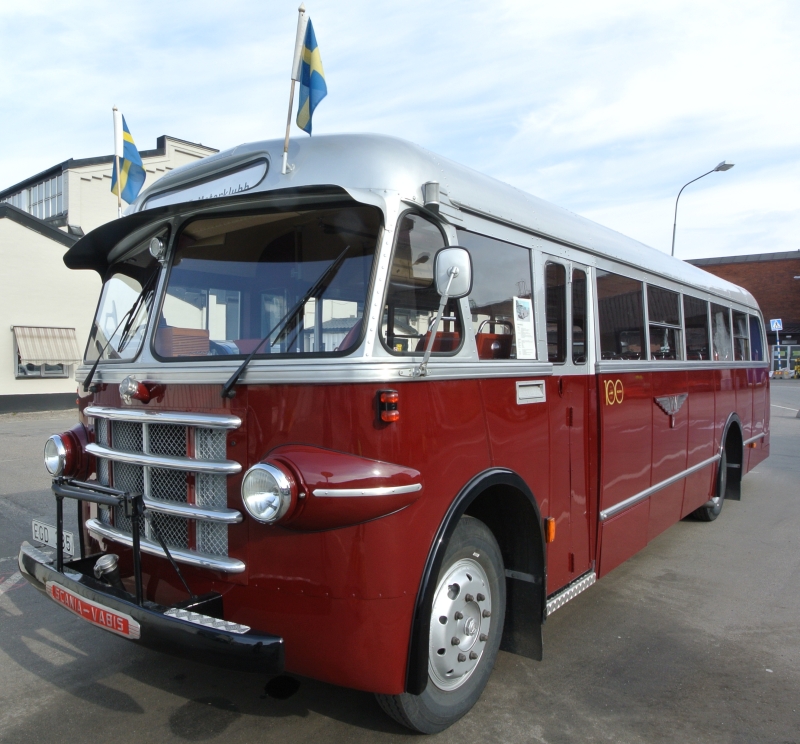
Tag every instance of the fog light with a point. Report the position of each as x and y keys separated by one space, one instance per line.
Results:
x=267 y=492
x=55 y=455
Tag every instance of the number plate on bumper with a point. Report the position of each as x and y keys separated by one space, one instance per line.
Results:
x=103 y=617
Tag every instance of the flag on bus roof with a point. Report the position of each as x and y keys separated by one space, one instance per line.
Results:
x=312 y=80
x=130 y=162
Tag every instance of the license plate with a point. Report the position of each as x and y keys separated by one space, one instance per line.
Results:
x=96 y=614
x=47 y=534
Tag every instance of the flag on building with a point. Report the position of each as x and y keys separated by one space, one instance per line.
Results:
x=130 y=182
x=312 y=80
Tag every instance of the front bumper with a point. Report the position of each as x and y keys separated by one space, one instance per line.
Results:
x=196 y=639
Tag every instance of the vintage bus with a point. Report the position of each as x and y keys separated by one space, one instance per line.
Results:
x=375 y=419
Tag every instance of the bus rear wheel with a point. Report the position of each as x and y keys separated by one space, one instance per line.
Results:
x=711 y=509
x=467 y=616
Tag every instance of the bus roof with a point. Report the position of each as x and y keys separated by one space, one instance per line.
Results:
x=369 y=161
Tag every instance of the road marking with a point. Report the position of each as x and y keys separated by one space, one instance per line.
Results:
x=9 y=582
x=785 y=408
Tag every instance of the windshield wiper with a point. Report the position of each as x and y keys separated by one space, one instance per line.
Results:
x=130 y=316
x=317 y=289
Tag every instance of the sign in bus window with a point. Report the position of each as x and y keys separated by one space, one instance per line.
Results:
x=621 y=315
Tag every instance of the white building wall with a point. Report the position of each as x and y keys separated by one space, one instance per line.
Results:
x=36 y=289
x=90 y=201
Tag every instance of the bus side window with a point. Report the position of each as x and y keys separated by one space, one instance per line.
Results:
x=664 y=317
x=501 y=272
x=556 y=311
x=411 y=298
x=756 y=341
x=578 y=316
x=721 y=333
x=741 y=343
x=695 y=320
x=621 y=316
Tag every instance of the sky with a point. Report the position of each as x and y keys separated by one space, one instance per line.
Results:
x=604 y=108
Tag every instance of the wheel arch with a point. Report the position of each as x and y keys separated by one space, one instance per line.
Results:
x=732 y=442
x=503 y=501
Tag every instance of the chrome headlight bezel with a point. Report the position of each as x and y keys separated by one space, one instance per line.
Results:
x=276 y=500
x=56 y=459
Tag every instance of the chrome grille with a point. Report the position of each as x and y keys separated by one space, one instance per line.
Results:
x=209 y=444
x=125 y=435
x=129 y=432
x=168 y=439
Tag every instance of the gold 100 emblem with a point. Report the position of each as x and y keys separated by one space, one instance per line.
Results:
x=614 y=392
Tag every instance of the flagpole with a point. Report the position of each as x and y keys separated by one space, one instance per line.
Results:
x=114 y=111
x=298 y=47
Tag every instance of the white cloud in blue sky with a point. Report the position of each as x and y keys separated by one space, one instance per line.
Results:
x=603 y=108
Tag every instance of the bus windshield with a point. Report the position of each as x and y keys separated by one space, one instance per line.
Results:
x=234 y=280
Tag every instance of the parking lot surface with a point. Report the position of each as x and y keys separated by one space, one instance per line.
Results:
x=695 y=639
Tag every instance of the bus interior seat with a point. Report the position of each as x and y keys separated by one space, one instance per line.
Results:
x=444 y=341
x=351 y=337
x=494 y=345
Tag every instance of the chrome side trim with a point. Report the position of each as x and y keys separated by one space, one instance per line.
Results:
x=190 y=511
x=323 y=493
x=636 y=498
x=570 y=592
x=189 y=557
x=755 y=438
x=201 y=420
x=226 y=467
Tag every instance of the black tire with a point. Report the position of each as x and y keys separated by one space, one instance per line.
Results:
x=437 y=707
x=710 y=510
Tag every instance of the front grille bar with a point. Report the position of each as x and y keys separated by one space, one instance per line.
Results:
x=189 y=557
x=200 y=420
x=190 y=511
x=223 y=467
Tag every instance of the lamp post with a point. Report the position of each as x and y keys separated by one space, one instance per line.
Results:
x=723 y=166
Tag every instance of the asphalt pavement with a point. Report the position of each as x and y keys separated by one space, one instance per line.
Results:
x=695 y=639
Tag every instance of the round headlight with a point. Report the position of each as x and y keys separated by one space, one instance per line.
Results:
x=55 y=455
x=266 y=492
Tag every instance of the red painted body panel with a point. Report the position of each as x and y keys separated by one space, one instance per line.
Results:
x=313 y=578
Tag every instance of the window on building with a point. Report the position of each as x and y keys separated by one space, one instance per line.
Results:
x=44 y=352
x=621 y=316
x=411 y=299
x=741 y=339
x=501 y=279
x=695 y=321
x=721 y=333
x=43 y=200
x=664 y=317
x=756 y=340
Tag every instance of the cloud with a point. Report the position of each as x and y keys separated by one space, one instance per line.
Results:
x=606 y=109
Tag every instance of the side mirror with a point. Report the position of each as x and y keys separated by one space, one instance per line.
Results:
x=453 y=272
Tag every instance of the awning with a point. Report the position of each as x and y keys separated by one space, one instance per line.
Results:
x=38 y=345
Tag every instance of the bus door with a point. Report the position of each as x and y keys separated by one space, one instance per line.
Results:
x=567 y=292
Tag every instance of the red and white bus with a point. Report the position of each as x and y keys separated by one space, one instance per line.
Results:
x=375 y=419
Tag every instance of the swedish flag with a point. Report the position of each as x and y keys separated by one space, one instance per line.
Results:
x=312 y=80
x=130 y=164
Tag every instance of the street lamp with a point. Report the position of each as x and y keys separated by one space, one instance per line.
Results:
x=723 y=166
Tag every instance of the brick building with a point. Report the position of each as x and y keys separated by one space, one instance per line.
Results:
x=774 y=280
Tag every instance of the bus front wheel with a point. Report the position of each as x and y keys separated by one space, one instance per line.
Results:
x=467 y=616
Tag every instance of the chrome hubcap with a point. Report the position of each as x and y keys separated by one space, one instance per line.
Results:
x=460 y=624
